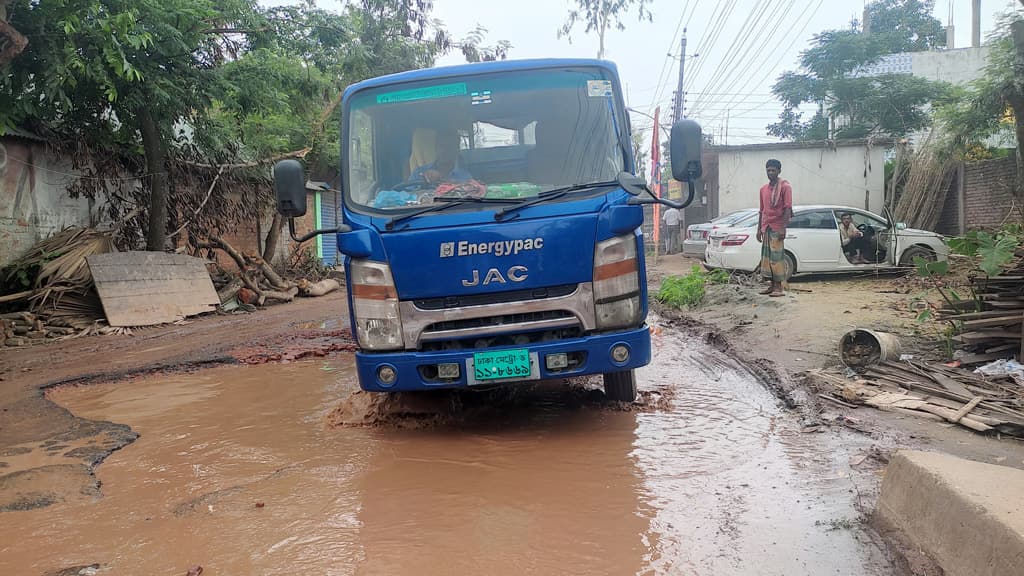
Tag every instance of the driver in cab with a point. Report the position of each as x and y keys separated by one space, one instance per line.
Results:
x=855 y=244
x=443 y=167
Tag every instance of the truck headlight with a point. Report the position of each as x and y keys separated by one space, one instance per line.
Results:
x=617 y=283
x=375 y=306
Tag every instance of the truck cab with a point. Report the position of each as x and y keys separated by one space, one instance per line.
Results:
x=492 y=226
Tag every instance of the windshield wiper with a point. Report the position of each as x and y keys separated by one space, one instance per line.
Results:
x=446 y=203
x=553 y=194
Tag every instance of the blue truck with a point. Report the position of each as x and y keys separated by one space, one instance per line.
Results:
x=492 y=225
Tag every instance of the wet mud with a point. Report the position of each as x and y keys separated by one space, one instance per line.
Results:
x=285 y=468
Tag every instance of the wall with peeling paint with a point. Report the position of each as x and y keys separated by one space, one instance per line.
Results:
x=34 y=202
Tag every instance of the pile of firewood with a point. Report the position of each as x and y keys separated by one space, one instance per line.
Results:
x=256 y=281
x=990 y=326
x=26 y=328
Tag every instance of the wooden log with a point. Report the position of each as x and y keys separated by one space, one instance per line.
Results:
x=230 y=290
x=270 y=274
x=320 y=288
x=16 y=296
x=966 y=409
x=25 y=316
x=284 y=296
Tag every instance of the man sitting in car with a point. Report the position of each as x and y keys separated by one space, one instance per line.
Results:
x=855 y=244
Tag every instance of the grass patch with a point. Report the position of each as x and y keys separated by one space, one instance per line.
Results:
x=688 y=291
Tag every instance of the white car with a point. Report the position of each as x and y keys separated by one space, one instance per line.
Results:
x=813 y=243
x=697 y=235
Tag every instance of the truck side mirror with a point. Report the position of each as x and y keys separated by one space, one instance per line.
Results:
x=290 y=187
x=686 y=145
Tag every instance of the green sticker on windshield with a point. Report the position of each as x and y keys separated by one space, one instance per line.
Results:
x=427 y=93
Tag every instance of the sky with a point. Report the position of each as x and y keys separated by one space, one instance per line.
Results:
x=741 y=47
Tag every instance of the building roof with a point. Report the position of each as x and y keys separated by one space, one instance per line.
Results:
x=19 y=133
x=878 y=142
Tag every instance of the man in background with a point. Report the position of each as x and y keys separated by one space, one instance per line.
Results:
x=671 y=230
x=772 y=220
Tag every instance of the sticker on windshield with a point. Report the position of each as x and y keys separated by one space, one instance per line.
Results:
x=427 y=93
x=599 y=88
x=482 y=97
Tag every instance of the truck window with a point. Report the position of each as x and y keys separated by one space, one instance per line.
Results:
x=508 y=135
x=361 y=155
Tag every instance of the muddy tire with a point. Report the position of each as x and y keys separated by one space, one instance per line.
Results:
x=790 y=262
x=620 y=386
x=907 y=259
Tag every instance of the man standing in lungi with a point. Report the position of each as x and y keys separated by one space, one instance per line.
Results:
x=772 y=220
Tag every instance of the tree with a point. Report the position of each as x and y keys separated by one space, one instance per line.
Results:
x=474 y=51
x=599 y=15
x=12 y=42
x=859 y=105
x=994 y=103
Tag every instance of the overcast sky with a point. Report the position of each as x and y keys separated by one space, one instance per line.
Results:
x=743 y=45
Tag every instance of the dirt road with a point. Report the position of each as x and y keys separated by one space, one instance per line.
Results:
x=239 y=469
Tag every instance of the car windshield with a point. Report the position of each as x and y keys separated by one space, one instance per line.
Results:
x=496 y=137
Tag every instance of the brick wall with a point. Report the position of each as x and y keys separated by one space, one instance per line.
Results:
x=949 y=220
x=988 y=193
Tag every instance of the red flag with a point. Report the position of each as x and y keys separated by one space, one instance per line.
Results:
x=656 y=176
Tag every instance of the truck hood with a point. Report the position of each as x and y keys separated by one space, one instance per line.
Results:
x=504 y=256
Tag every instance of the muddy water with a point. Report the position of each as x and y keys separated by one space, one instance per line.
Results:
x=235 y=470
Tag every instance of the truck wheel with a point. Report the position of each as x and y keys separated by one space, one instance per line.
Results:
x=620 y=386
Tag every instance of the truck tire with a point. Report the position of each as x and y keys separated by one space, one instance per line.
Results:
x=620 y=386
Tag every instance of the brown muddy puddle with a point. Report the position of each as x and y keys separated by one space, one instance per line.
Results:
x=237 y=471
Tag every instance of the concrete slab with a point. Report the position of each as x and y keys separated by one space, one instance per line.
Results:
x=968 y=516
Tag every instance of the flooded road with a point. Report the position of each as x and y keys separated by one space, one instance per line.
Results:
x=238 y=470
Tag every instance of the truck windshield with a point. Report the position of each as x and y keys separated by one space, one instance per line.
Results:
x=503 y=136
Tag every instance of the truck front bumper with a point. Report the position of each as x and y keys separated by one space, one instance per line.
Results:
x=596 y=353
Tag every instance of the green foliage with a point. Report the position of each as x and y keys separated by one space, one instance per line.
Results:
x=994 y=251
x=688 y=291
x=891 y=104
x=985 y=108
x=599 y=15
x=926 y=268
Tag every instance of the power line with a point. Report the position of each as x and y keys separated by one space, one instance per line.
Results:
x=740 y=39
x=661 y=76
x=710 y=37
x=770 y=70
x=752 y=63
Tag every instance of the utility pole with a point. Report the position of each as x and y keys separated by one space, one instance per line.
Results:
x=677 y=105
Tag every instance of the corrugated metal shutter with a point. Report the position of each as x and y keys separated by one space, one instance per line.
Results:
x=329 y=217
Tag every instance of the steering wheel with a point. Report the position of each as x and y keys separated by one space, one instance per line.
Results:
x=412 y=185
x=866 y=229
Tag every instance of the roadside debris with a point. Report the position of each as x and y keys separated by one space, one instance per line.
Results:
x=57 y=284
x=860 y=348
x=936 y=392
x=990 y=326
x=149 y=288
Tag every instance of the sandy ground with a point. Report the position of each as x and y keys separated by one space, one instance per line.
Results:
x=789 y=336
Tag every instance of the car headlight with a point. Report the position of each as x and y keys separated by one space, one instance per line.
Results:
x=375 y=306
x=617 y=283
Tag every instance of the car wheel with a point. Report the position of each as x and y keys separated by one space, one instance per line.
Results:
x=907 y=259
x=790 y=265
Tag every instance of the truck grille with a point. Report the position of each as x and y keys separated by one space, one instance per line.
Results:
x=495 y=297
x=492 y=322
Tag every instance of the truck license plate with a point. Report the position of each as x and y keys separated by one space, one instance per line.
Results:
x=502 y=364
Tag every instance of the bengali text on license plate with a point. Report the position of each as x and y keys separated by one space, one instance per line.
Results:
x=501 y=364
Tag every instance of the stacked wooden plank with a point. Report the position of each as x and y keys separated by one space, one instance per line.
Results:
x=937 y=392
x=991 y=325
